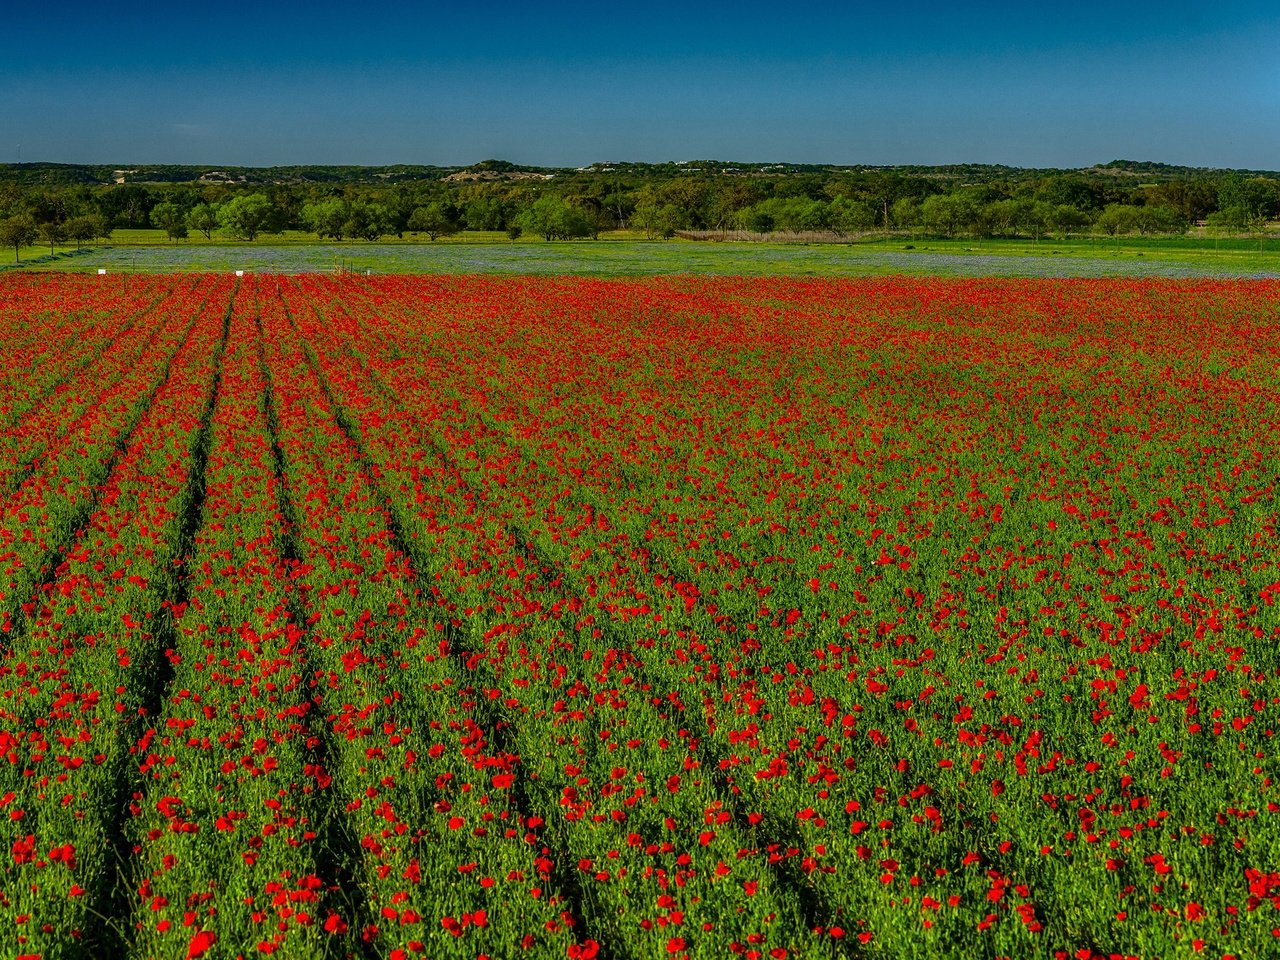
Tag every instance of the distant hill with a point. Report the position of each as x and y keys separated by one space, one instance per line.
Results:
x=68 y=174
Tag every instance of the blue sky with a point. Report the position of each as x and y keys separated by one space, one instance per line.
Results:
x=573 y=83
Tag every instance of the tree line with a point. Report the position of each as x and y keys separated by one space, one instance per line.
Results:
x=652 y=201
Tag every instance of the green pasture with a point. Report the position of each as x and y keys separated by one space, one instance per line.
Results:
x=1190 y=245
x=622 y=253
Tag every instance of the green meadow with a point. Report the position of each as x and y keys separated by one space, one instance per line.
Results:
x=623 y=253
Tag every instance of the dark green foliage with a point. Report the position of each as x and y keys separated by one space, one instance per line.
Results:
x=203 y=217
x=346 y=203
x=553 y=219
x=170 y=218
x=246 y=216
x=17 y=232
x=434 y=220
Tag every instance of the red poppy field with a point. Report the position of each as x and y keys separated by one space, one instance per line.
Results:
x=457 y=617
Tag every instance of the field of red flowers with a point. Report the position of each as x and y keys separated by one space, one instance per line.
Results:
x=465 y=617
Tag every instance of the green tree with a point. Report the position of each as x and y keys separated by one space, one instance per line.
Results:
x=1246 y=203
x=368 y=221
x=433 y=220
x=1117 y=219
x=905 y=213
x=17 y=232
x=947 y=214
x=691 y=196
x=1019 y=216
x=798 y=214
x=47 y=206
x=850 y=216
x=1065 y=219
x=170 y=218
x=594 y=212
x=620 y=206
x=10 y=199
x=1193 y=199
x=1001 y=218
x=483 y=213
x=553 y=219
x=326 y=218
x=204 y=218
x=246 y=216
x=81 y=229
x=656 y=219
x=731 y=199
x=128 y=206
x=810 y=186
x=757 y=219
x=101 y=227
x=286 y=209
x=51 y=232
x=1070 y=190
x=1160 y=219
x=885 y=191
x=1034 y=217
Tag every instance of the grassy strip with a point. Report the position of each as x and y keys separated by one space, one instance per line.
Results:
x=627 y=257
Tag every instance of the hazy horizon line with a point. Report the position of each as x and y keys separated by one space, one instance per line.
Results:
x=123 y=165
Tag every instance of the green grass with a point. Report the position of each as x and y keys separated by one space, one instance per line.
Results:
x=1187 y=249
x=1086 y=246
x=39 y=255
x=622 y=253
x=1196 y=240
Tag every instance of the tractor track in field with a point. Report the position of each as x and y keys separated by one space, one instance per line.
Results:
x=117 y=333
x=53 y=559
x=814 y=907
x=16 y=413
x=497 y=731
x=113 y=930
x=31 y=459
x=338 y=848
x=331 y=847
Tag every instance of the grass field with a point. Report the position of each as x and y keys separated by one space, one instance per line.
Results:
x=1090 y=246
x=629 y=257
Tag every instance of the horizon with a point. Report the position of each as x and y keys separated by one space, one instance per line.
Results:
x=519 y=166
x=934 y=86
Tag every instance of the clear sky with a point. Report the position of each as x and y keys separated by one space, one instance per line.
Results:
x=568 y=84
